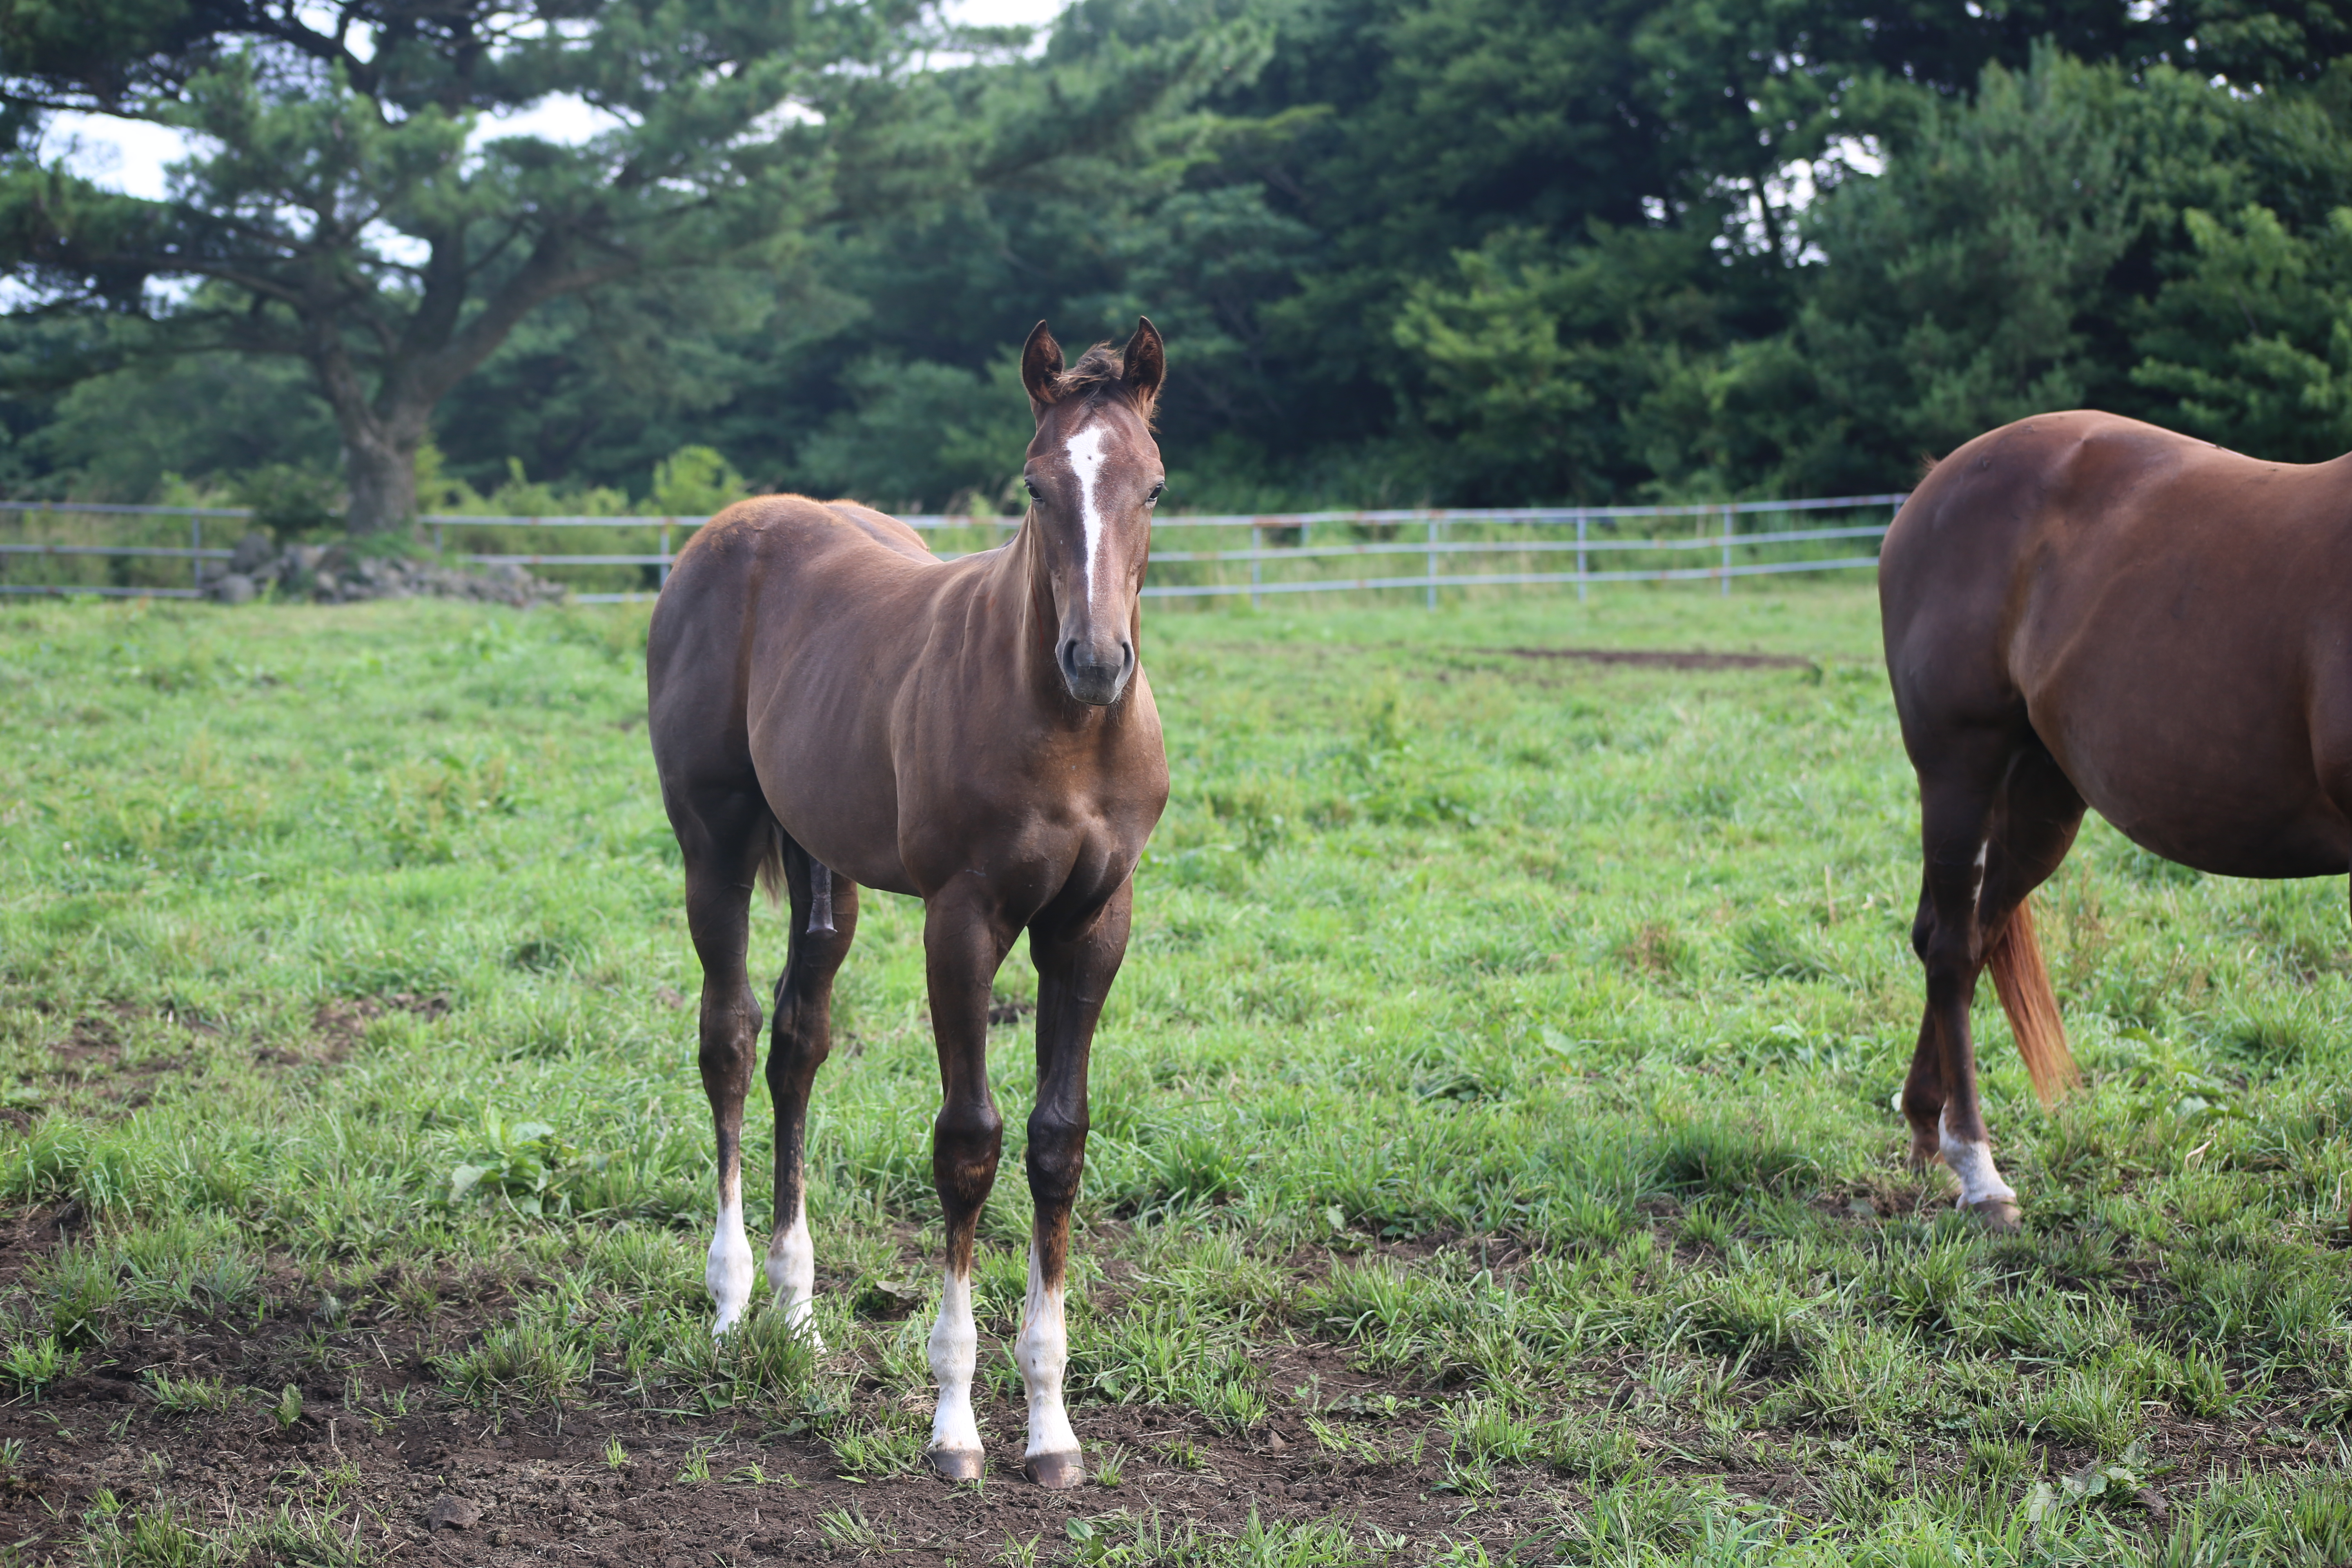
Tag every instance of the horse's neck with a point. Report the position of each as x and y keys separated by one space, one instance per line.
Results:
x=1018 y=586
x=1016 y=580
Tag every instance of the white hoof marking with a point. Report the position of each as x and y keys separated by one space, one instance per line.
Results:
x=792 y=1274
x=728 y=1272
x=955 y=1356
x=1042 y=1353
x=1971 y=1161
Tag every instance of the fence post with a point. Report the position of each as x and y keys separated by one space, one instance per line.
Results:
x=440 y=539
x=1257 y=543
x=195 y=541
x=1433 y=527
x=1583 y=571
x=661 y=578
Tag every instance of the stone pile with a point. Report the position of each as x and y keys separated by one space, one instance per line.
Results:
x=331 y=574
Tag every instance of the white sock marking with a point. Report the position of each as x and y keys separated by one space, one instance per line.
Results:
x=1087 y=456
x=792 y=1271
x=728 y=1272
x=955 y=1356
x=1971 y=1161
x=1042 y=1352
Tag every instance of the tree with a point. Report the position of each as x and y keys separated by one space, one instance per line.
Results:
x=346 y=208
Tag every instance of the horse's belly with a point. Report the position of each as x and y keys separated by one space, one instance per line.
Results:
x=2218 y=796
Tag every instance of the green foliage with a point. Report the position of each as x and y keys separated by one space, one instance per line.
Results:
x=1470 y=251
x=526 y=1165
x=694 y=483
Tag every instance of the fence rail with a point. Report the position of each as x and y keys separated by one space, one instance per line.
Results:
x=1287 y=542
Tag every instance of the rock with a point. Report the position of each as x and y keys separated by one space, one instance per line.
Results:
x=446 y=1512
x=888 y=1298
x=331 y=574
x=251 y=553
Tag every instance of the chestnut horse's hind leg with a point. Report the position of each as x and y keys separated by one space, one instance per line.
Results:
x=724 y=835
x=802 y=1040
x=1075 y=967
x=964 y=942
x=1991 y=833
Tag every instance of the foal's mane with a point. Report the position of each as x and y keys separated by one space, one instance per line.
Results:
x=1100 y=377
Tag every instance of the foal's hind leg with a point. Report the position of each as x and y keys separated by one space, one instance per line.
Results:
x=1994 y=824
x=965 y=939
x=802 y=1040
x=1075 y=966
x=723 y=834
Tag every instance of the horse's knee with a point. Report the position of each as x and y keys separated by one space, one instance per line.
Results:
x=1056 y=1157
x=965 y=1144
x=730 y=1036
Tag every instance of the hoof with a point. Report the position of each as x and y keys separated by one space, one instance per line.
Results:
x=1996 y=1214
x=955 y=1464
x=1055 y=1472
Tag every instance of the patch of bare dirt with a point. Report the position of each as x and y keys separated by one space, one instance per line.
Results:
x=94 y=1061
x=339 y=1026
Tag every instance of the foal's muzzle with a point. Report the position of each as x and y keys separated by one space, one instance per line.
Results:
x=1096 y=675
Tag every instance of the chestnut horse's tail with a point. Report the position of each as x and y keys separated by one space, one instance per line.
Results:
x=2023 y=986
x=771 y=873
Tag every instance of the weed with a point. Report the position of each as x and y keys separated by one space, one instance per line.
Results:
x=193 y=1394
x=848 y=1530
x=696 y=1468
x=32 y=1363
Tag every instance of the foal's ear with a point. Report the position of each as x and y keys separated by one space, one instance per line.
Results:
x=1147 y=363
x=1041 y=367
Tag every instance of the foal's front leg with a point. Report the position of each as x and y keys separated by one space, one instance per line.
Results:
x=964 y=941
x=1076 y=966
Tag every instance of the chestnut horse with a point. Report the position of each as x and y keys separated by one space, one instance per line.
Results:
x=833 y=705
x=2081 y=609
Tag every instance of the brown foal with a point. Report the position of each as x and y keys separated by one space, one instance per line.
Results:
x=2084 y=610
x=831 y=703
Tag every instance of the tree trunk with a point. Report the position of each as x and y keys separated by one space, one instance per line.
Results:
x=380 y=466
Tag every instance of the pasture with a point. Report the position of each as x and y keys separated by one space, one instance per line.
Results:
x=1491 y=1159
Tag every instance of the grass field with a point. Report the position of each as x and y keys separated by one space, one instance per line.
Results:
x=1493 y=1156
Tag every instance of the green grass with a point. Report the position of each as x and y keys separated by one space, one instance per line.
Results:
x=1517 y=1033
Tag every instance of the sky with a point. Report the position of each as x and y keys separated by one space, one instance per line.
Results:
x=130 y=157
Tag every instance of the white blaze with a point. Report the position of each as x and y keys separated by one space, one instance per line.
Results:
x=955 y=1355
x=729 y=1271
x=1042 y=1352
x=1971 y=1161
x=1087 y=456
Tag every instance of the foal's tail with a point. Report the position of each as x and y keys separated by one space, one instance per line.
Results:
x=2023 y=986
x=772 y=868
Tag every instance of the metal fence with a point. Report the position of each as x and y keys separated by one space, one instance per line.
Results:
x=1284 y=553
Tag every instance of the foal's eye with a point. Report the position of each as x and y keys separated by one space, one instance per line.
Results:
x=1153 y=498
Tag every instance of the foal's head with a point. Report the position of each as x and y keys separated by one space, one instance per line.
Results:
x=1093 y=475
